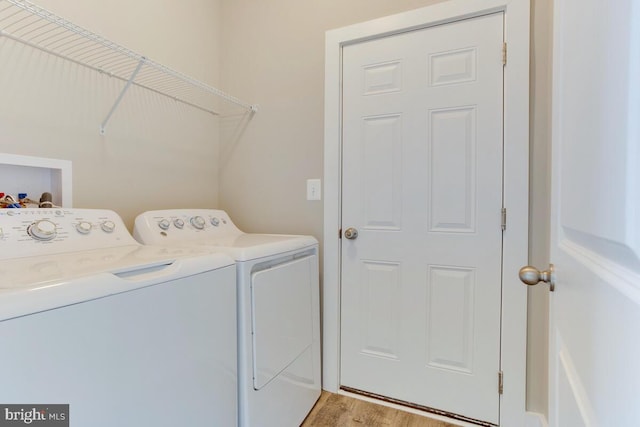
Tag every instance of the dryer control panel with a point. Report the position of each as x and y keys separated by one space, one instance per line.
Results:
x=28 y=232
x=178 y=225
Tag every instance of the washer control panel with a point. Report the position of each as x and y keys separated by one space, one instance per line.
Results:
x=157 y=227
x=27 y=232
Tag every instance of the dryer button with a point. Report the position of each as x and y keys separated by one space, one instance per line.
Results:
x=198 y=222
x=108 y=226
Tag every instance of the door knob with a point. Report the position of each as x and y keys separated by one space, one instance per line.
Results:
x=351 y=233
x=532 y=276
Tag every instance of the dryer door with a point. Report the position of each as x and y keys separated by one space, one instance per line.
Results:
x=282 y=315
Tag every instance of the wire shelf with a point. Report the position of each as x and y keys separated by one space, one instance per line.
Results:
x=27 y=23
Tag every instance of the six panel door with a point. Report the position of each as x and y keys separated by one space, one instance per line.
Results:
x=422 y=184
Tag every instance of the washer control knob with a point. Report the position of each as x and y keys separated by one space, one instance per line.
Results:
x=42 y=230
x=108 y=226
x=178 y=223
x=83 y=227
x=215 y=221
x=198 y=222
x=164 y=224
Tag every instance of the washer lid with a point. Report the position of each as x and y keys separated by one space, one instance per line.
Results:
x=33 y=284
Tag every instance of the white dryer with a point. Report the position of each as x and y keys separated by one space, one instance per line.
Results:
x=278 y=309
x=126 y=335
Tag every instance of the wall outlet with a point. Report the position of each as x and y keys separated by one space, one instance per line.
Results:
x=314 y=190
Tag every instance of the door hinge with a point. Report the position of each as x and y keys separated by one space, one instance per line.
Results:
x=503 y=221
x=500 y=382
x=340 y=233
x=504 y=53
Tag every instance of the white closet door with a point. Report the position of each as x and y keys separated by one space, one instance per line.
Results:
x=422 y=184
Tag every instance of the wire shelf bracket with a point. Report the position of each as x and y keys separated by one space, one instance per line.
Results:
x=31 y=25
x=103 y=125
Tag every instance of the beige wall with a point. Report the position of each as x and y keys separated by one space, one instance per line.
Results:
x=156 y=153
x=273 y=54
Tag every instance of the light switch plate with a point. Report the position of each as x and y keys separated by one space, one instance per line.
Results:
x=314 y=190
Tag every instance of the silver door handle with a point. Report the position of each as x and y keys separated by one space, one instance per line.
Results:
x=351 y=233
x=532 y=276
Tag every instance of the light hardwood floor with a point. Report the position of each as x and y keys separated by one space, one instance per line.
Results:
x=335 y=410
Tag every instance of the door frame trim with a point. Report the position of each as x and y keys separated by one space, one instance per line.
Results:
x=516 y=183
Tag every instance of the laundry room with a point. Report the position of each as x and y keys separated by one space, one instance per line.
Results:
x=148 y=151
x=222 y=111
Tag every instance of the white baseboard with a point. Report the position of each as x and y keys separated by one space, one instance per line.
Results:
x=534 y=419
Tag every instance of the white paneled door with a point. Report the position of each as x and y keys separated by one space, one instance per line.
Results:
x=595 y=240
x=422 y=185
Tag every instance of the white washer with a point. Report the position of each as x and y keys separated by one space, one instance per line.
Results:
x=125 y=334
x=278 y=309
